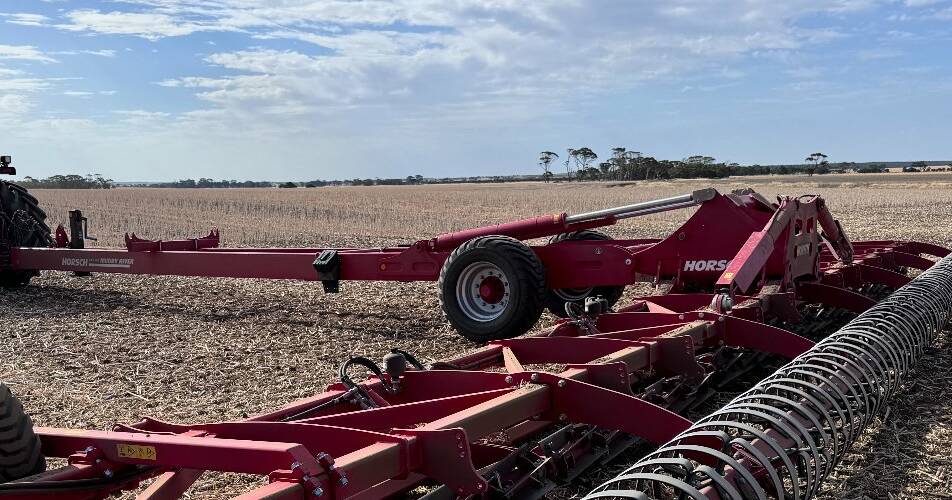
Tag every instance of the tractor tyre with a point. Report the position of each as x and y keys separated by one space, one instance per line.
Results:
x=556 y=298
x=20 y=453
x=22 y=224
x=491 y=288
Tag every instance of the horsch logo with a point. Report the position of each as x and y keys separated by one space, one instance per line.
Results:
x=705 y=265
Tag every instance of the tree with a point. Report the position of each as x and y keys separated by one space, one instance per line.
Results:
x=288 y=185
x=816 y=159
x=545 y=159
x=583 y=157
x=569 y=154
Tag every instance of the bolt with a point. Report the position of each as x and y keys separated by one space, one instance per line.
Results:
x=295 y=465
x=508 y=379
x=563 y=417
x=700 y=315
x=562 y=383
x=627 y=262
x=344 y=481
x=680 y=316
x=479 y=486
x=318 y=491
x=721 y=319
x=107 y=473
x=462 y=455
x=98 y=460
x=534 y=377
x=89 y=449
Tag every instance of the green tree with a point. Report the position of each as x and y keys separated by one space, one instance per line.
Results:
x=583 y=157
x=545 y=159
x=814 y=161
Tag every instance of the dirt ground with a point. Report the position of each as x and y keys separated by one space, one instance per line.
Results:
x=86 y=352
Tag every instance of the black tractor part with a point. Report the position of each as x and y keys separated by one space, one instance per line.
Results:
x=20 y=453
x=492 y=287
x=557 y=298
x=22 y=224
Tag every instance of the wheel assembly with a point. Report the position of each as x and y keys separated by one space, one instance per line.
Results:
x=491 y=288
x=20 y=454
x=22 y=224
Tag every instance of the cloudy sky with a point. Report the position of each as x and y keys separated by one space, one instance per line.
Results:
x=305 y=89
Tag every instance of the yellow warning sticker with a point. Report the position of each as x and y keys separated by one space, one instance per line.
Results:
x=728 y=276
x=136 y=451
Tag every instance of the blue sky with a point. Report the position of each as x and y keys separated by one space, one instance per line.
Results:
x=306 y=89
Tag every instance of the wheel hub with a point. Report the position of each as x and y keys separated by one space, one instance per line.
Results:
x=492 y=290
x=482 y=291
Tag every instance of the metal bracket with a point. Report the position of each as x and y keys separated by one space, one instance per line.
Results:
x=677 y=357
x=446 y=457
x=78 y=229
x=327 y=265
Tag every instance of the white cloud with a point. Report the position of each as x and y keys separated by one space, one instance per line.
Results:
x=13 y=105
x=150 y=25
x=23 y=84
x=24 y=53
x=78 y=93
x=26 y=19
x=100 y=53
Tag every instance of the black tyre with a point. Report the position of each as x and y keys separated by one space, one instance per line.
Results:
x=20 y=453
x=556 y=298
x=23 y=223
x=492 y=287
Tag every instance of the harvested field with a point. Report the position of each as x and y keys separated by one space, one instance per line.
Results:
x=86 y=352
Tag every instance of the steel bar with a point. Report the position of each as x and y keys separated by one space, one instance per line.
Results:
x=683 y=200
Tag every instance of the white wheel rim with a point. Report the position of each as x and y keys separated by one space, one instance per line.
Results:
x=482 y=291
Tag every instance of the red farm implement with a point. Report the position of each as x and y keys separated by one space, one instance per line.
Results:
x=749 y=282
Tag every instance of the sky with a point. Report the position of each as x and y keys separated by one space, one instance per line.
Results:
x=149 y=90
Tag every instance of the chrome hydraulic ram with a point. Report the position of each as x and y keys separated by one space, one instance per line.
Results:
x=646 y=207
x=781 y=438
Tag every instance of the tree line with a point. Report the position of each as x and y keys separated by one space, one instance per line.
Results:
x=71 y=181
x=582 y=164
x=579 y=164
x=205 y=182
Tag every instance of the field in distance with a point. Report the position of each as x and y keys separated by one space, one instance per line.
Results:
x=869 y=204
x=87 y=352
